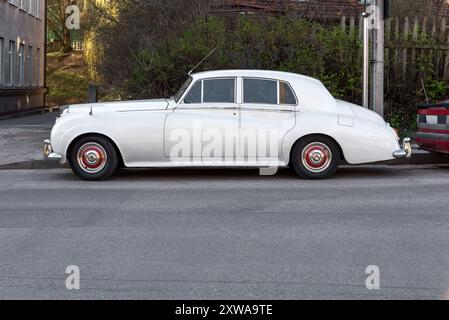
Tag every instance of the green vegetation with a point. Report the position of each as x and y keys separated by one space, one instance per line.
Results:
x=67 y=85
x=66 y=78
x=402 y=101
x=283 y=43
x=136 y=59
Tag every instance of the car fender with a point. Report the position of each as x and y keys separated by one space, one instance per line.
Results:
x=361 y=140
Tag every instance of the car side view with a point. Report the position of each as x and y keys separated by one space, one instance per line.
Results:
x=229 y=118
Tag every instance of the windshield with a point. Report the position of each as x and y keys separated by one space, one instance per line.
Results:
x=183 y=89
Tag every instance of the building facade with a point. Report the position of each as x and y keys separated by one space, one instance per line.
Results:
x=22 y=55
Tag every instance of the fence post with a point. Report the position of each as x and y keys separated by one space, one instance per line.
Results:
x=361 y=28
x=387 y=48
x=413 y=53
x=405 y=51
x=343 y=23
x=351 y=24
x=424 y=27
x=446 y=61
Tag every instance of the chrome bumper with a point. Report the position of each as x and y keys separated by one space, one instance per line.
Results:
x=406 y=151
x=49 y=155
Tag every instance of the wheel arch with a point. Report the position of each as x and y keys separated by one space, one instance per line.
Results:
x=95 y=134
x=342 y=156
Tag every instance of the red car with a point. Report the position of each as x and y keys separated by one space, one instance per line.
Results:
x=433 y=124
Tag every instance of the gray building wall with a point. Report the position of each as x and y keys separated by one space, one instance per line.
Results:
x=22 y=55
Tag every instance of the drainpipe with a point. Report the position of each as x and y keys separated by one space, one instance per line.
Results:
x=45 y=53
x=365 y=17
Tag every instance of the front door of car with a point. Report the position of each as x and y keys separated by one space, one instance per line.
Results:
x=267 y=114
x=202 y=126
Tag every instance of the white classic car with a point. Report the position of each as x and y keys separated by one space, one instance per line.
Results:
x=233 y=118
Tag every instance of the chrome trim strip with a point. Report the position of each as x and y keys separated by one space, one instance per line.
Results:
x=271 y=79
x=147 y=110
x=400 y=154
x=235 y=78
x=266 y=110
x=54 y=157
x=236 y=109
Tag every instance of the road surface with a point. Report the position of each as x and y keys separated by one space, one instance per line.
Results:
x=209 y=234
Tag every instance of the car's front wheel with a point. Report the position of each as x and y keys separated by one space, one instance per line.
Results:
x=93 y=158
x=316 y=157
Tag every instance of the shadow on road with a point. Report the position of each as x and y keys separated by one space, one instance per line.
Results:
x=380 y=172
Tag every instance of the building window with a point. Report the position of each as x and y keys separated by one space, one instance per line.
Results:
x=2 y=60
x=38 y=4
x=11 y=62
x=37 y=61
x=21 y=75
x=29 y=67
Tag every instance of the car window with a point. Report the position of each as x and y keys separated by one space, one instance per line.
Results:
x=260 y=91
x=219 y=90
x=286 y=95
x=194 y=96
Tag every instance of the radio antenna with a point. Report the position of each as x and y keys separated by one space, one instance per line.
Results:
x=210 y=53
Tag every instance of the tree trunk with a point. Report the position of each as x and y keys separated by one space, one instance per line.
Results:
x=66 y=41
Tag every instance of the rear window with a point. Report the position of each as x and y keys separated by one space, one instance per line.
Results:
x=286 y=95
x=260 y=91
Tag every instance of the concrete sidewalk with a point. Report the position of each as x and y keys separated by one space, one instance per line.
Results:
x=21 y=142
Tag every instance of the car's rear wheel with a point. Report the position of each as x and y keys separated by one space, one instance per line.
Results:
x=93 y=158
x=316 y=157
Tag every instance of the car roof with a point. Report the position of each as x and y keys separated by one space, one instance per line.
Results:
x=311 y=92
x=270 y=74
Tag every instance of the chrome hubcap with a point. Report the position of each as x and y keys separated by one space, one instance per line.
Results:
x=316 y=157
x=92 y=157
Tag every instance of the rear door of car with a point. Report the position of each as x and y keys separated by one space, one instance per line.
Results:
x=267 y=113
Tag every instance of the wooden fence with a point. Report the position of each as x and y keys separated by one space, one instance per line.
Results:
x=408 y=41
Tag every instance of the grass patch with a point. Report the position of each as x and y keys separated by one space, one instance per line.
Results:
x=66 y=84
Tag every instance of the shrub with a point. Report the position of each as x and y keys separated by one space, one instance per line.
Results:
x=284 y=43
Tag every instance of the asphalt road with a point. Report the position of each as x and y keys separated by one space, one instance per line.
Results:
x=225 y=234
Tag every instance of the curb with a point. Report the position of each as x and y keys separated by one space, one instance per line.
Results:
x=33 y=164
x=26 y=113
x=418 y=158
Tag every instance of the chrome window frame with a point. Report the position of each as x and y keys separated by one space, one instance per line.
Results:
x=278 y=81
x=202 y=91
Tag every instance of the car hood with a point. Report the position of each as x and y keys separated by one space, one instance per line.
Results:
x=120 y=106
x=361 y=112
